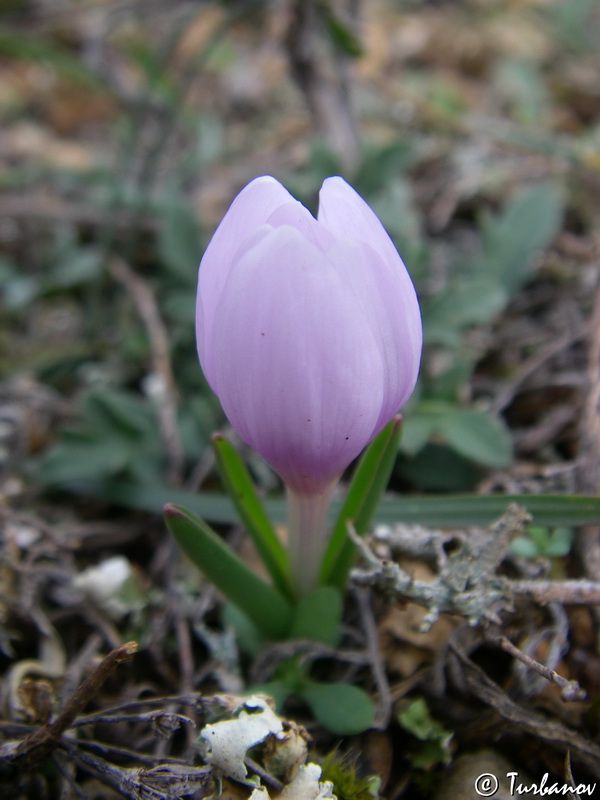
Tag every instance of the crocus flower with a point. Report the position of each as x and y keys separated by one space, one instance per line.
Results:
x=309 y=333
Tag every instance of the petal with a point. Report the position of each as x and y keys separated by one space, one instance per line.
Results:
x=390 y=304
x=344 y=213
x=384 y=284
x=299 y=217
x=249 y=210
x=298 y=369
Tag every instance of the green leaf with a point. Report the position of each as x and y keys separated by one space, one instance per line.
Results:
x=416 y=431
x=82 y=457
x=416 y=719
x=478 y=436
x=560 y=542
x=575 y=23
x=524 y=547
x=180 y=239
x=459 y=511
x=75 y=267
x=342 y=37
x=239 y=487
x=114 y=411
x=368 y=483
x=525 y=228
x=38 y=47
x=318 y=616
x=541 y=541
x=248 y=636
x=463 y=511
x=437 y=469
x=378 y=163
x=279 y=690
x=520 y=82
x=339 y=707
x=472 y=433
x=262 y=603
x=467 y=300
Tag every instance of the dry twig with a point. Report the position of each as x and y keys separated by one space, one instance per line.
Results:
x=384 y=700
x=321 y=75
x=523 y=719
x=570 y=690
x=36 y=747
x=467 y=582
x=589 y=439
x=146 y=306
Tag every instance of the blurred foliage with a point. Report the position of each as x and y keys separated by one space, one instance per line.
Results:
x=542 y=542
x=433 y=743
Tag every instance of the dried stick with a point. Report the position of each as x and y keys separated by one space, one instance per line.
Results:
x=532 y=364
x=320 y=74
x=36 y=747
x=570 y=690
x=589 y=439
x=466 y=583
x=384 y=705
x=56 y=210
x=146 y=306
x=569 y=592
x=522 y=719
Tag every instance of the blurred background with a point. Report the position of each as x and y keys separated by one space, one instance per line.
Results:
x=473 y=129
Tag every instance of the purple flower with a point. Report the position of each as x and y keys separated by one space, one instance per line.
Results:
x=308 y=330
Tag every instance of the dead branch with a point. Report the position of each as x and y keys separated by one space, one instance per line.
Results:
x=523 y=719
x=569 y=592
x=570 y=690
x=54 y=210
x=384 y=700
x=145 y=303
x=37 y=746
x=589 y=439
x=321 y=75
x=467 y=582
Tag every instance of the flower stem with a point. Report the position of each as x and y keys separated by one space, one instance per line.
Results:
x=307 y=535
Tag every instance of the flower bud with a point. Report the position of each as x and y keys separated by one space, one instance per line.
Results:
x=308 y=330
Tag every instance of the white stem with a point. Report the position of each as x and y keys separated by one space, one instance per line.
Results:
x=307 y=535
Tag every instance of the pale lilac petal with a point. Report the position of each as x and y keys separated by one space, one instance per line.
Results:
x=298 y=368
x=392 y=308
x=344 y=213
x=297 y=216
x=250 y=209
x=384 y=283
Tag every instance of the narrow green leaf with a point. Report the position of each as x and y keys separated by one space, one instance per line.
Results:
x=241 y=490
x=342 y=37
x=368 y=483
x=318 y=616
x=343 y=709
x=462 y=511
x=449 y=510
x=266 y=607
